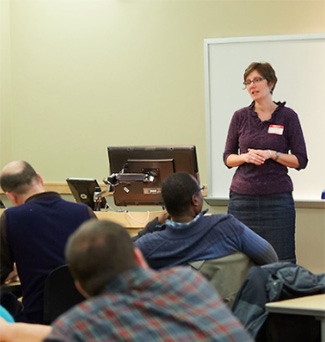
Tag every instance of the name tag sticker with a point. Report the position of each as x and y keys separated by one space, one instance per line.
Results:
x=276 y=129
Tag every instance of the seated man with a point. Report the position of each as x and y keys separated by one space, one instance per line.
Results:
x=189 y=235
x=127 y=301
x=33 y=234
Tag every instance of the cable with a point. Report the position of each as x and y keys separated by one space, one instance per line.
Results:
x=146 y=220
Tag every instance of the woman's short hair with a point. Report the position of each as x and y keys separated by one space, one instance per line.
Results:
x=265 y=70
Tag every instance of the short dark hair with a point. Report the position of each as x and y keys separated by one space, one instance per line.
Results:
x=265 y=70
x=18 y=181
x=97 y=252
x=177 y=191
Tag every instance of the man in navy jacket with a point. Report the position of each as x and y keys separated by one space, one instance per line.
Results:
x=33 y=234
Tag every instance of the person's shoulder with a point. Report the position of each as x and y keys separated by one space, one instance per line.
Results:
x=176 y=270
x=80 y=315
x=227 y=224
x=74 y=205
x=9 y=210
x=287 y=111
x=99 y=310
x=242 y=112
x=186 y=281
x=14 y=210
x=74 y=209
x=153 y=236
x=183 y=273
x=216 y=218
x=63 y=324
x=179 y=276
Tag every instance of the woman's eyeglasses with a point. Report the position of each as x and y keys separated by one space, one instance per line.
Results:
x=255 y=80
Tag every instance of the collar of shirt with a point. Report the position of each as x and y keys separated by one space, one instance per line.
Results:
x=255 y=117
x=252 y=105
x=279 y=103
x=43 y=195
x=126 y=279
x=178 y=225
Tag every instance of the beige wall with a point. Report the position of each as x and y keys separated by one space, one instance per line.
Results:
x=5 y=83
x=91 y=73
x=79 y=75
x=310 y=239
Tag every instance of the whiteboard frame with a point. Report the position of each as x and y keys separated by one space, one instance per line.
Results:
x=207 y=43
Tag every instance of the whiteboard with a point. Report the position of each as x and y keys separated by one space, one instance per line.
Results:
x=299 y=63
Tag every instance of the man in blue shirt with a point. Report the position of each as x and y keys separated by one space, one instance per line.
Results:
x=186 y=234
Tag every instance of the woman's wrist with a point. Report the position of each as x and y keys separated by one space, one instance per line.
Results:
x=274 y=155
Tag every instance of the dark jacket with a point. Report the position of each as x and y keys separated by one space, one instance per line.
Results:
x=270 y=283
x=34 y=236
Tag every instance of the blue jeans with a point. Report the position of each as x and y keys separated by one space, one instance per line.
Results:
x=271 y=216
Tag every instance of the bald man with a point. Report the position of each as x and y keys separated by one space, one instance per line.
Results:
x=33 y=234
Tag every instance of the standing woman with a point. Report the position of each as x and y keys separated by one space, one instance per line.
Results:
x=259 y=140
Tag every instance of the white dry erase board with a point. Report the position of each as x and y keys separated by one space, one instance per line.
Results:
x=299 y=62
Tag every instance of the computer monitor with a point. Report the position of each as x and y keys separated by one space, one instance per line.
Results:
x=83 y=190
x=137 y=172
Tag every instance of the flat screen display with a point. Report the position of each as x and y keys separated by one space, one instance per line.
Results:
x=83 y=190
x=130 y=164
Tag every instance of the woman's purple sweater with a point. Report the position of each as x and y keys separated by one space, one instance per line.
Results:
x=248 y=131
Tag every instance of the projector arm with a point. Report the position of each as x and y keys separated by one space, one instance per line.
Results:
x=117 y=178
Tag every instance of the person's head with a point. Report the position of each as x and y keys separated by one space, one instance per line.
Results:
x=19 y=180
x=97 y=252
x=265 y=70
x=181 y=194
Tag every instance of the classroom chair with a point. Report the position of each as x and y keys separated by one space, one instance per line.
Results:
x=60 y=293
x=226 y=274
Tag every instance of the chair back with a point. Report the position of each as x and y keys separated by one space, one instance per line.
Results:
x=226 y=274
x=60 y=293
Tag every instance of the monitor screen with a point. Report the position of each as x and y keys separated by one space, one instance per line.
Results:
x=137 y=172
x=83 y=190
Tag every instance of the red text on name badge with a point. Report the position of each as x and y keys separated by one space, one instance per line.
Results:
x=276 y=129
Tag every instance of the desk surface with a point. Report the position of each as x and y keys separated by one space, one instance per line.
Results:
x=128 y=219
x=133 y=221
x=309 y=305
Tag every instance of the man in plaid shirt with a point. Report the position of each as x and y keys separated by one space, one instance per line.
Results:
x=130 y=302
